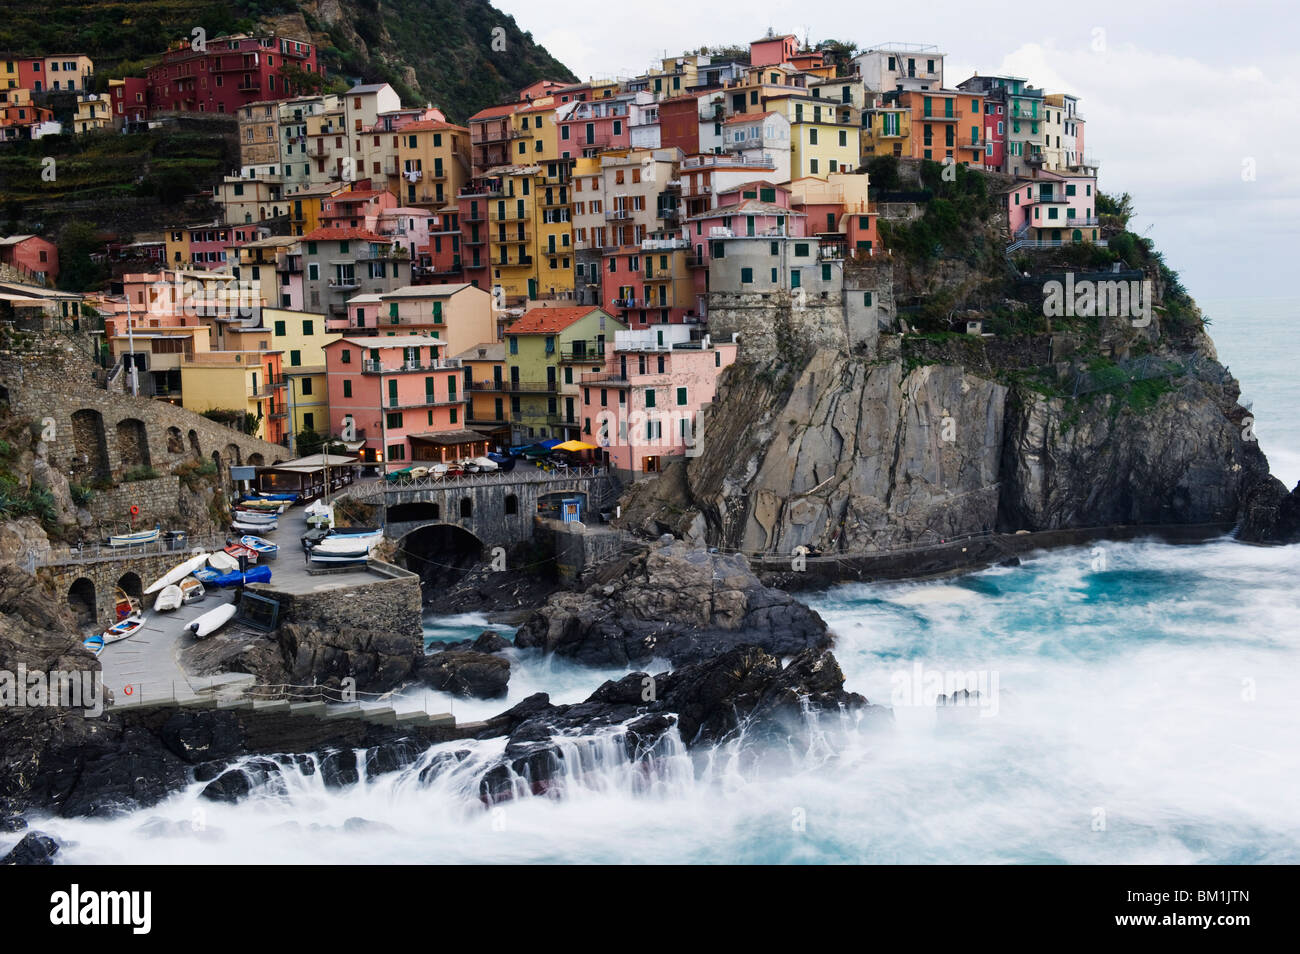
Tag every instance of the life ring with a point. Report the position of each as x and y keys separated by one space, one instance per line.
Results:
x=135 y=511
x=128 y=689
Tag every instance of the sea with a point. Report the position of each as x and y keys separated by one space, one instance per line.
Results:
x=1134 y=702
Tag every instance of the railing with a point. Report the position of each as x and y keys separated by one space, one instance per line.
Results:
x=377 y=367
x=1051 y=243
x=603 y=377
x=378 y=489
x=514 y=387
x=94 y=552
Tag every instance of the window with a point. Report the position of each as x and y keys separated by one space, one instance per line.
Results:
x=866 y=299
x=393 y=419
x=279 y=329
x=307 y=329
x=512 y=505
x=306 y=387
x=346 y=356
x=746 y=276
x=295 y=358
x=681 y=397
x=650 y=397
x=801 y=250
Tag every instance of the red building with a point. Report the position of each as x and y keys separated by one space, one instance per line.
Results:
x=230 y=72
x=130 y=99
x=679 y=124
x=31 y=254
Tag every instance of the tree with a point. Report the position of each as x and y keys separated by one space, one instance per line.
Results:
x=77 y=271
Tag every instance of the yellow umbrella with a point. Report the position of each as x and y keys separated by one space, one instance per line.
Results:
x=574 y=446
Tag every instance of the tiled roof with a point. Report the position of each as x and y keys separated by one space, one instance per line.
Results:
x=748 y=118
x=423 y=125
x=343 y=235
x=547 y=321
x=492 y=112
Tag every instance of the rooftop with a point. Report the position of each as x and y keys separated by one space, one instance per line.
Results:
x=545 y=321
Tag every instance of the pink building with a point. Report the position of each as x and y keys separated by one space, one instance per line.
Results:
x=31 y=254
x=644 y=408
x=356 y=209
x=401 y=397
x=768 y=212
x=593 y=127
x=1054 y=207
x=773 y=50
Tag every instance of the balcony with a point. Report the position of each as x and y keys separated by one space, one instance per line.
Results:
x=583 y=351
x=378 y=367
x=618 y=215
x=524 y=239
x=388 y=253
x=933 y=118
x=475 y=240
x=614 y=379
x=343 y=284
x=626 y=302
x=509 y=215
x=554 y=201
x=524 y=262
x=474 y=215
x=486 y=385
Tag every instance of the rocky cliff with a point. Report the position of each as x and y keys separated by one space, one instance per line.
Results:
x=937 y=435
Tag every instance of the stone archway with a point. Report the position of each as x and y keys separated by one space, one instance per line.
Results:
x=81 y=600
x=175 y=442
x=132 y=443
x=231 y=454
x=91 y=446
x=254 y=460
x=194 y=445
x=439 y=553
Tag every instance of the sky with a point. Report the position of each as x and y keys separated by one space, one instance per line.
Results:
x=1193 y=108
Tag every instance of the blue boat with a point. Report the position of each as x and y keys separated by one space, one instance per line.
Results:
x=206 y=575
x=258 y=574
x=95 y=643
x=292 y=498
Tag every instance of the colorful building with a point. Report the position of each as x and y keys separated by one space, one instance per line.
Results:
x=228 y=73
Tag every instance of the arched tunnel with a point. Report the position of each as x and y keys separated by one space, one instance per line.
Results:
x=440 y=553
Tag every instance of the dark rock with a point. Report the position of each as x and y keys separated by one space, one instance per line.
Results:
x=1010 y=561
x=230 y=786
x=196 y=736
x=1270 y=514
x=466 y=673
x=339 y=769
x=36 y=848
x=13 y=823
x=677 y=603
x=490 y=642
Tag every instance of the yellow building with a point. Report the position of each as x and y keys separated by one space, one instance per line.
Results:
x=888 y=132
x=300 y=337
x=825 y=136
x=307 y=204
x=94 y=112
x=485 y=376
x=536 y=137
x=432 y=164
x=529 y=230
x=237 y=380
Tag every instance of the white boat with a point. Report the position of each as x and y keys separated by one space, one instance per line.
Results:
x=256 y=516
x=169 y=599
x=485 y=464
x=418 y=472
x=357 y=554
x=133 y=539
x=346 y=544
x=211 y=621
x=255 y=527
x=127 y=627
x=222 y=562
x=177 y=573
x=265 y=548
x=191 y=590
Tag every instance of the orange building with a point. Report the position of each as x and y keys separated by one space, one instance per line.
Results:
x=946 y=123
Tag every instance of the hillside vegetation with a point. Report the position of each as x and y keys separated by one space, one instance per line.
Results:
x=438 y=51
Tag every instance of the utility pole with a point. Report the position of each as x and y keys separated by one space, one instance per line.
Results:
x=130 y=349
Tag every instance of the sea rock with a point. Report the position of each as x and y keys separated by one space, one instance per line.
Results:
x=36 y=848
x=676 y=603
x=706 y=703
x=1270 y=514
x=466 y=673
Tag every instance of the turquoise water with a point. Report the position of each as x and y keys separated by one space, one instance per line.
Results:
x=1139 y=703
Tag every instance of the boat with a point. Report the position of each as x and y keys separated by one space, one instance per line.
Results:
x=211 y=621
x=259 y=527
x=485 y=464
x=94 y=643
x=288 y=498
x=438 y=470
x=124 y=628
x=265 y=548
x=353 y=554
x=504 y=462
x=256 y=516
x=257 y=574
x=134 y=539
x=124 y=604
x=206 y=575
x=177 y=573
x=342 y=542
x=168 y=599
x=222 y=562
x=192 y=589
x=269 y=506
x=418 y=472
x=238 y=550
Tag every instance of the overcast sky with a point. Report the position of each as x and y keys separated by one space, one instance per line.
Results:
x=1179 y=98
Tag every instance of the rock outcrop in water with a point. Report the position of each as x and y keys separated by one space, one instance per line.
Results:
x=742 y=691
x=676 y=603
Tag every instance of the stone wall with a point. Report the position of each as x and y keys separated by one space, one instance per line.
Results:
x=580 y=549
x=155 y=498
x=100 y=435
x=89 y=588
x=388 y=601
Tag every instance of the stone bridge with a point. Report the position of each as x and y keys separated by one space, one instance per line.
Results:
x=95 y=436
x=496 y=509
x=88 y=584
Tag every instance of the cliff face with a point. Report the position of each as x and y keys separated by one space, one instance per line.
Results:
x=850 y=455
